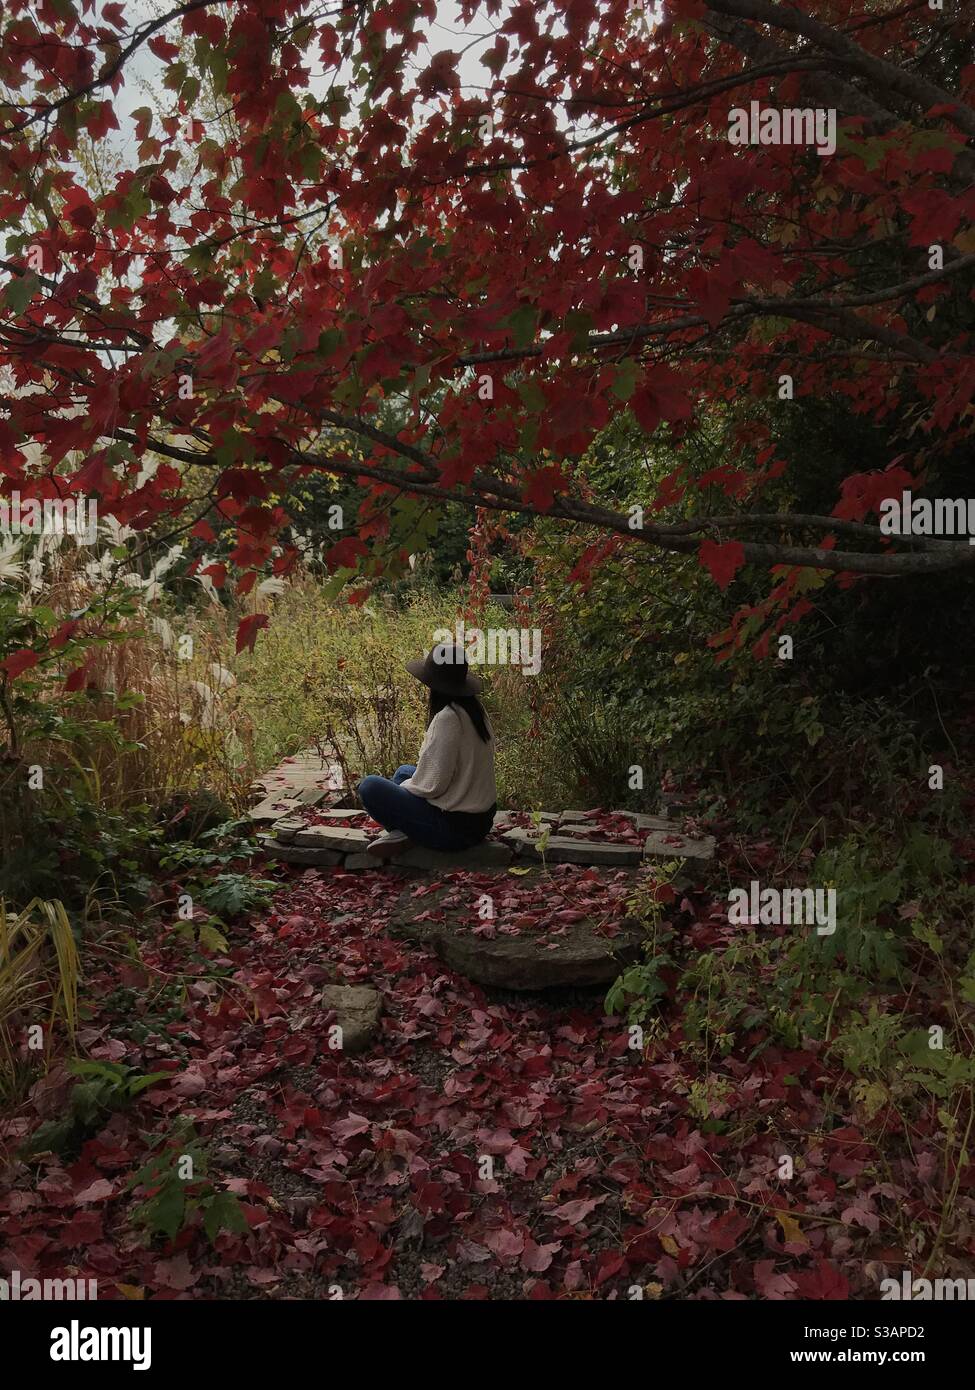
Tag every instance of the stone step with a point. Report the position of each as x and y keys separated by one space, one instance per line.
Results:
x=660 y=845
x=312 y=796
x=563 y=849
x=273 y=808
x=285 y=830
x=583 y=956
x=489 y=854
x=643 y=822
x=299 y=854
x=345 y=839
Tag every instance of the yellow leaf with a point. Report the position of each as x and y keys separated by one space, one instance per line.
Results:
x=212 y=940
x=791 y=1228
x=788 y=234
x=131 y=1291
x=519 y=871
x=670 y=1245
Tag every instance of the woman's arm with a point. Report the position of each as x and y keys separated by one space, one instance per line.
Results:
x=437 y=763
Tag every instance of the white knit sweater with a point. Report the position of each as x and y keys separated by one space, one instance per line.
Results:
x=455 y=769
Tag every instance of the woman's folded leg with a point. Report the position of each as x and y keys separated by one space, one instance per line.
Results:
x=425 y=824
x=384 y=801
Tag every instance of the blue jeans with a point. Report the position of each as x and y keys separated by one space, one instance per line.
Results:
x=396 y=808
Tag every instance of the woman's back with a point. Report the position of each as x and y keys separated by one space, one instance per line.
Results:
x=455 y=769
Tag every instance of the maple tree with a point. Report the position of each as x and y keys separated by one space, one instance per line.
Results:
x=327 y=221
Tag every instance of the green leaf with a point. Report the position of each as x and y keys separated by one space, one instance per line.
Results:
x=329 y=341
x=212 y=940
x=624 y=382
x=142 y=1083
x=165 y=1212
x=522 y=325
x=579 y=324
x=532 y=394
x=21 y=290
x=287 y=106
x=176 y=75
x=223 y=1213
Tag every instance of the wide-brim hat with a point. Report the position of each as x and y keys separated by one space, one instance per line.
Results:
x=445 y=669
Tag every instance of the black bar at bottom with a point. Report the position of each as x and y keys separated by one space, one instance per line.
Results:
x=257 y=1337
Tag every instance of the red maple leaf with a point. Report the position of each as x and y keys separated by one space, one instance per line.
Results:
x=18 y=662
x=722 y=559
x=248 y=629
x=824 y=1282
x=543 y=486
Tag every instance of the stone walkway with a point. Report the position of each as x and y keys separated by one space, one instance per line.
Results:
x=313 y=820
x=307 y=779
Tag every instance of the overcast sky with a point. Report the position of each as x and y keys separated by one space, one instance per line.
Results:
x=448 y=31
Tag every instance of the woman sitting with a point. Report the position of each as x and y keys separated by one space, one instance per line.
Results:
x=448 y=800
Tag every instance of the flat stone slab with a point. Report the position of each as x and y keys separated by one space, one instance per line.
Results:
x=357 y=862
x=309 y=775
x=563 y=849
x=357 y=1010
x=670 y=845
x=344 y=839
x=287 y=828
x=523 y=842
x=487 y=855
x=643 y=822
x=302 y=854
x=273 y=808
x=583 y=955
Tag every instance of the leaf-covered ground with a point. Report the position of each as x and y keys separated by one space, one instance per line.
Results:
x=363 y=1177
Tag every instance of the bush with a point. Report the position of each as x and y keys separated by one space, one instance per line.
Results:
x=188 y=814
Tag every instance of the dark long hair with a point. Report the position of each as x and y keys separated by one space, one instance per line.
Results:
x=470 y=703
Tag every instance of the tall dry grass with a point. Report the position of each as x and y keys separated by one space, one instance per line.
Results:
x=39 y=977
x=328 y=672
x=185 y=729
x=171 y=706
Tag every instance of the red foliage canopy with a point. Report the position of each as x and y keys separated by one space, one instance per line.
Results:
x=519 y=254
